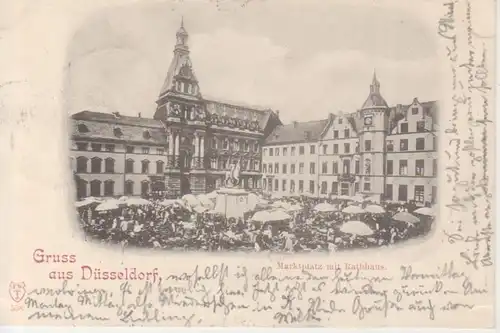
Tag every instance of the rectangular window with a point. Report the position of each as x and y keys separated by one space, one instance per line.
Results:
x=335 y=148
x=434 y=167
x=312 y=168
x=129 y=188
x=129 y=166
x=130 y=149
x=356 y=187
x=270 y=168
x=346 y=133
x=421 y=126
x=160 y=151
x=264 y=151
x=414 y=111
x=390 y=145
x=388 y=191
x=292 y=186
x=284 y=168
x=301 y=168
x=344 y=189
x=403 y=193
x=285 y=151
x=434 y=143
x=270 y=184
x=301 y=150
x=109 y=148
x=276 y=185
x=404 y=127
x=325 y=149
x=312 y=149
x=403 y=167
x=96 y=146
x=335 y=134
x=403 y=144
x=81 y=145
x=264 y=168
x=283 y=185
x=347 y=148
x=389 y=167
x=145 y=167
x=324 y=188
x=356 y=167
x=145 y=150
x=368 y=145
x=324 y=167
x=292 y=168
x=420 y=144
x=335 y=168
x=276 y=151
x=419 y=193
x=246 y=146
x=292 y=151
x=301 y=186
x=366 y=186
x=434 y=194
x=109 y=188
x=419 y=168
x=311 y=186
x=335 y=188
x=276 y=168
x=271 y=152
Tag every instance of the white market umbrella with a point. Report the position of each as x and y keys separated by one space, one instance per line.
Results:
x=261 y=216
x=295 y=208
x=109 y=205
x=279 y=215
x=358 y=198
x=276 y=196
x=356 y=228
x=325 y=207
x=200 y=209
x=406 y=217
x=344 y=197
x=212 y=195
x=170 y=202
x=190 y=199
x=353 y=210
x=427 y=211
x=281 y=204
x=137 y=202
x=375 y=209
x=206 y=201
x=123 y=198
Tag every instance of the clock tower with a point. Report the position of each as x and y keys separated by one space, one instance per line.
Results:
x=374 y=120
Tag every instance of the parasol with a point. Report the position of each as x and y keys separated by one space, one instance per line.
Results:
x=375 y=209
x=325 y=207
x=212 y=195
x=356 y=228
x=425 y=211
x=137 y=202
x=358 y=198
x=205 y=201
x=294 y=208
x=190 y=199
x=353 y=210
x=344 y=197
x=108 y=205
x=406 y=217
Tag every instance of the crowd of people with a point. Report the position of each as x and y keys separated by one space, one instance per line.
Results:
x=176 y=225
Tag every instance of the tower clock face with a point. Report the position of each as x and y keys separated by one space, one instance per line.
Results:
x=368 y=121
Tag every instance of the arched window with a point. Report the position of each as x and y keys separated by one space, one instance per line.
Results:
x=129 y=187
x=81 y=164
x=96 y=165
x=82 y=128
x=81 y=188
x=160 y=167
x=145 y=166
x=144 y=187
x=129 y=166
x=95 y=188
x=109 y=188
x=109 y=165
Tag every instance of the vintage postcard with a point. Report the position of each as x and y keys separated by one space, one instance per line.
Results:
x=247 y=163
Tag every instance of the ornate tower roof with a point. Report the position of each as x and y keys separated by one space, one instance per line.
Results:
x=181 y=66
x=375 y=99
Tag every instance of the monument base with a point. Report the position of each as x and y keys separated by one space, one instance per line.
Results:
x=232 y=202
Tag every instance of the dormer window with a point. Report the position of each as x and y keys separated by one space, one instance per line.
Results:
x=340 y=121
x=414 y=111
x=82 y=128
x=117 y=132
x=146 y=135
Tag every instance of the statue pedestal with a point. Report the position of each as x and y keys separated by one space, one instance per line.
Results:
x=231 y=202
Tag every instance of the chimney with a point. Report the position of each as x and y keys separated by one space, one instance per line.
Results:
x=278 y=113
x=330 y=116
x=139 y=115
x=295 y=124
x=116 y=114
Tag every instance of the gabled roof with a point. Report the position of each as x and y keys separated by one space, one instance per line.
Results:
x=96 y=125
x=297 y=132
x=240 y=112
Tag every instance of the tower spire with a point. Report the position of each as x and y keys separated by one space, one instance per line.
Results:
x=375 y=86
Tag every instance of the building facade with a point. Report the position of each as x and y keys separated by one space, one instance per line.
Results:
x=381 y=152
x=186 y=147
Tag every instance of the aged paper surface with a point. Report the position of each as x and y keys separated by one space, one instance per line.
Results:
x=127 y=192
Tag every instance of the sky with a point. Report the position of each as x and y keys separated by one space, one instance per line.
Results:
x=305 y=59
